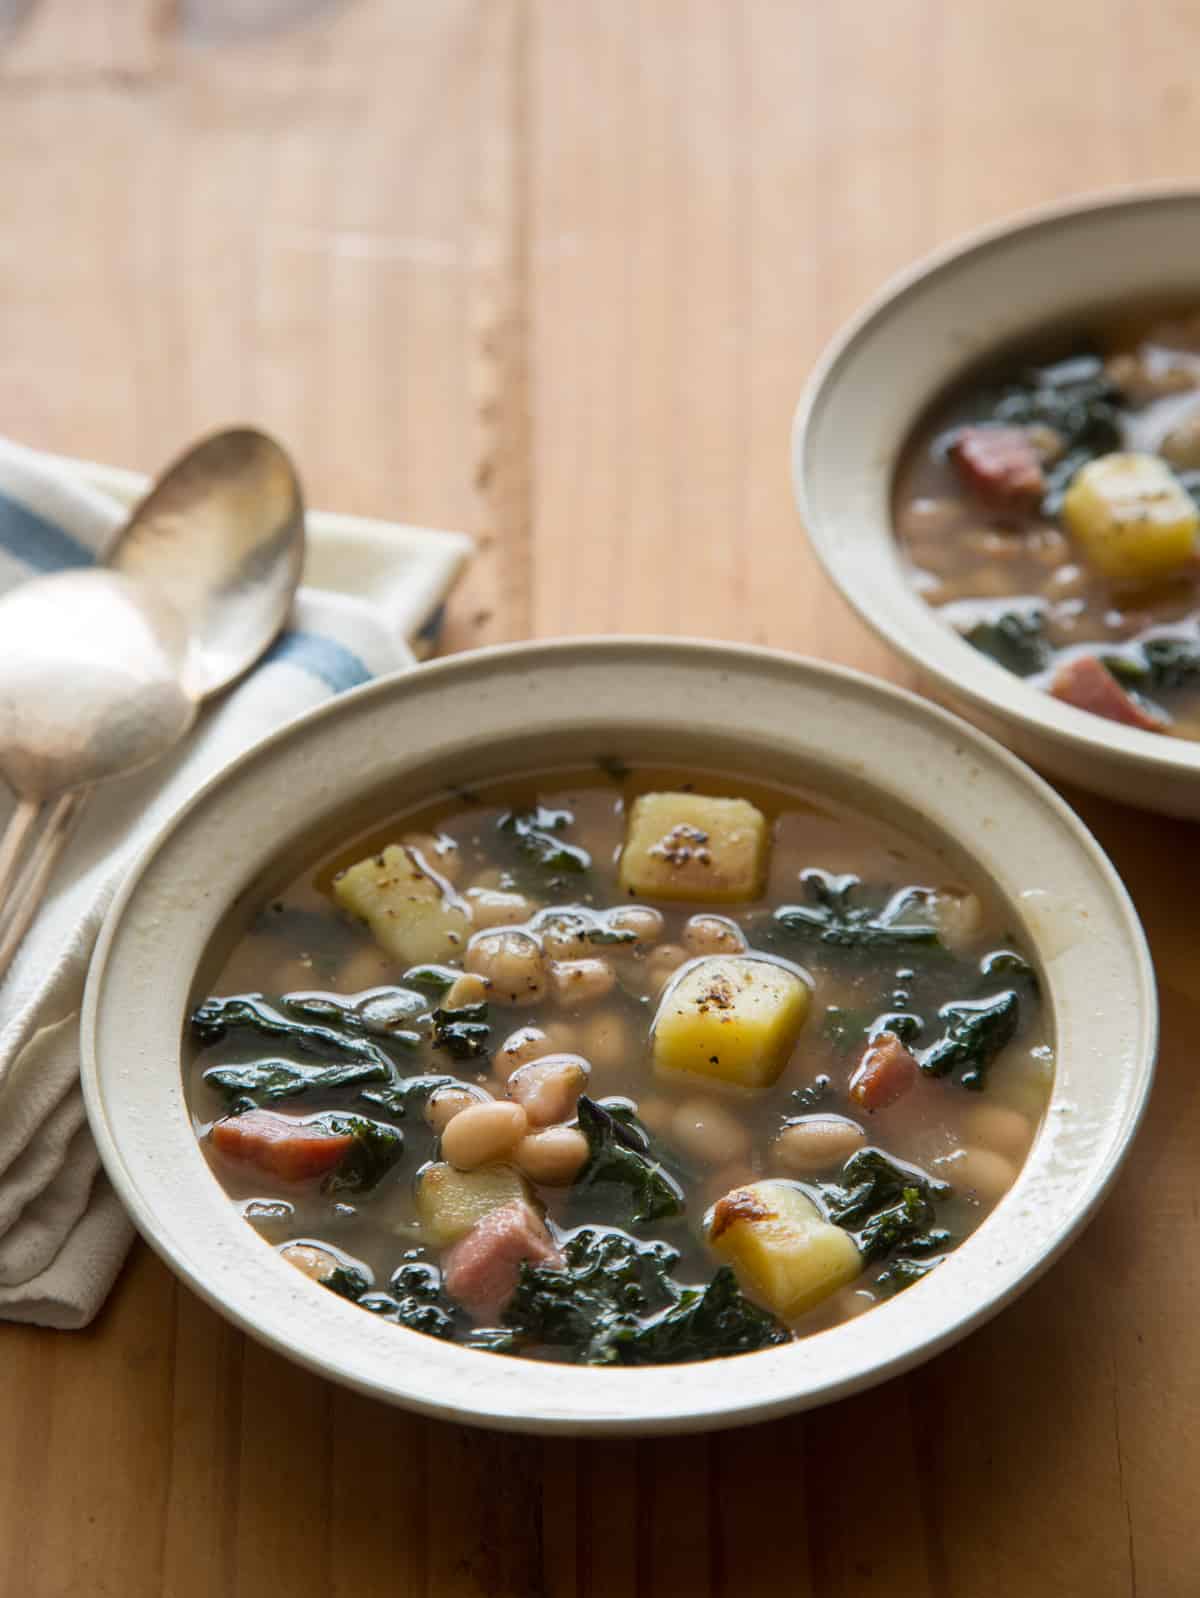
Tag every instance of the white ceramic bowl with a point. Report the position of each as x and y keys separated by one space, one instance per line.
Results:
x=878 y=376
x=540 y=705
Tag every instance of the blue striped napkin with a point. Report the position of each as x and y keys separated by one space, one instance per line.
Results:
x=370 y=604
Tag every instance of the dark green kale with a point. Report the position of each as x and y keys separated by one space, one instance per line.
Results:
x=1016 y=640
x=415 y=1300
x=975 y=1032
x=623 y=1173
x=463 y=1032
x=292 y=1017
x=376 y=1149
x=265 y=1081
x=1157 y=665
x=1078 y=400
x=388 y=1012
x=318 y=1026
x=902 y=1273
x=706 y=1323
x=438 y=979
x=542 y=858
x=407 y=1092
x=1011 y=965
x=346 y=1282
x=834 y=920
x=616 y=1303
x=885 y=1204
x=421 y=1303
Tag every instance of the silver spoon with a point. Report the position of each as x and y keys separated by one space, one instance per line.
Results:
x=102 y=671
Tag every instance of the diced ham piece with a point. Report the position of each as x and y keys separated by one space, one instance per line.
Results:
x=886 y=1072
x=481 y=1270
x=1001 y=463
x=282 y=1145
x=1087 y=683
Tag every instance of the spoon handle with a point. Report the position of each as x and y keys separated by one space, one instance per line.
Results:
x=12 y=845
x=31 y=887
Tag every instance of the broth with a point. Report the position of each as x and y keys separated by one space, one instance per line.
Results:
x=1047 y=509
x=602 y=1225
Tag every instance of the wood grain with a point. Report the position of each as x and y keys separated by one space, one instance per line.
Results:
x=555 y=271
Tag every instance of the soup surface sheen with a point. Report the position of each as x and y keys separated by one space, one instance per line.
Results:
x=1047 y=507
x=622 y=1067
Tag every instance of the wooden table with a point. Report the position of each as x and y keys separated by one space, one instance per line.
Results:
x=554 y=271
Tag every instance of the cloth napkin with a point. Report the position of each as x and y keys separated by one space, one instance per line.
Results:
x=370 y=605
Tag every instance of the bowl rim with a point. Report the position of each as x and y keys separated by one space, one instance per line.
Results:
x=697 y=1400
x=965 y=675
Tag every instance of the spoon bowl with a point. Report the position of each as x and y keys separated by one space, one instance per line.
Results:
x=220 y=537
x=90 y=681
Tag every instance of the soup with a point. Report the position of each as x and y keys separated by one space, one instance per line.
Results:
x=622 y=1067
x=1048 y=510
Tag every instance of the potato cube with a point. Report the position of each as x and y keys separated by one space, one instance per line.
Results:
x=449 y=1201
x=1131 y=517
x=784 y=1249
x=403 y=906
x=733 y=1018
x=690 y=846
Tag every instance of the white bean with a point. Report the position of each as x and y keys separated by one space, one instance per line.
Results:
x=443 y=1104
x=512 y=965
x=709 y=1132
x=998 y=1127
x=315 y=1263
x=713 y=935
x=662 y=963
x=554 y=1156
x=491 y=907
x=605 y=1040
x=645 y=923
x=464 y=990
x=525 y=1044
x=978 y=1173
x=483 y=1133
x=582 y=981
x=546 y=1089
x=816 y=1143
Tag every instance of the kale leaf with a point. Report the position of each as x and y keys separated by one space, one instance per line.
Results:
x=1079 y=401
x=463 y=1032
x=543 y=858
x=323 y=1026
x=346 y=1282
x=1008 y=963
x=835 y=921
x=1155 y=665
x=976 y=1031
x=885 y=1203
x=616 y=1303
x=416 y=1298
x=1015 y=639
x=622 y=1169
x=706 y=1323
x=439 y=978
x=291 y=1017
x=376 y=1149
x=902 y=1273
x=265 y=1081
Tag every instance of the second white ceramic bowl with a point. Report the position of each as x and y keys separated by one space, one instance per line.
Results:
x=872 y=385
x=389 y=745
